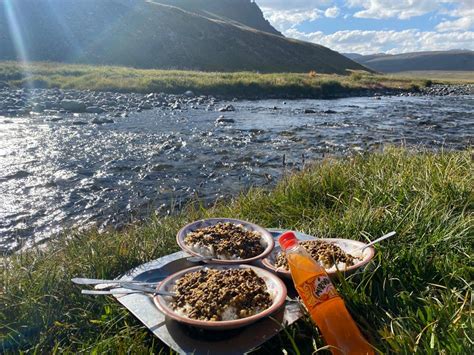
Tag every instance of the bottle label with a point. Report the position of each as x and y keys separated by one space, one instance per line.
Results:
x=316 y=290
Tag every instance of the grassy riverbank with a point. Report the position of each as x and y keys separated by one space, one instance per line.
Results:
x=443 y=76
x=416 y=296
x=240 y=84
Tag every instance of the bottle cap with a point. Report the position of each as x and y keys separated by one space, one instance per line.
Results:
x=287 y=240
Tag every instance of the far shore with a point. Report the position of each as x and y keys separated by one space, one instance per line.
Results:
x=241 y=85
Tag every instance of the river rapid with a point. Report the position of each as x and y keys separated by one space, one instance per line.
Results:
x=66 y=172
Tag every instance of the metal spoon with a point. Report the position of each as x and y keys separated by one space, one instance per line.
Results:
x=120 y=292
x=147 y=289
x=128 y=288
x=85 y=281
x=109 y=292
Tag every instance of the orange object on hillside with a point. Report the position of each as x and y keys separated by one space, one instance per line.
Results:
x=326 y=307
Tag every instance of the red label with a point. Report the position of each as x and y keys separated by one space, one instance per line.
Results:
x=316 y=290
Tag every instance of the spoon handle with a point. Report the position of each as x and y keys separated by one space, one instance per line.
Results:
x=151 y=290
x=386 y=236
x=110 y=292
x=84 y=281
x=128 y=288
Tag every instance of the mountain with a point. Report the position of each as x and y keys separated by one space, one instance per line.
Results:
x=443 y=60
x=243 y=13
x=201 y=35
x=353 y=56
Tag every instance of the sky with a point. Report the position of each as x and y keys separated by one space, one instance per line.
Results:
x=375 y=26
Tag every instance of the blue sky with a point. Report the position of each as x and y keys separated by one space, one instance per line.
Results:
x=374 y=26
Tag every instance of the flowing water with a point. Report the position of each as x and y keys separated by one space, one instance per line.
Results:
x=58 y=174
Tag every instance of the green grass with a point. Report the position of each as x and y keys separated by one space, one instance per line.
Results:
x=239 y=84
x=415 y=297
x=448 y=77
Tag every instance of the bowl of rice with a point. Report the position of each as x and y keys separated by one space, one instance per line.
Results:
x=221 y=297
x=225 y=240
x=334 y=254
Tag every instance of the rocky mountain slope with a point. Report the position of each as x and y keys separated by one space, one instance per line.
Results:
x=153 y=34
x=455 y=60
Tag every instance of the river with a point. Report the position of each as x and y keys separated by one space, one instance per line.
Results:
x=57 y=174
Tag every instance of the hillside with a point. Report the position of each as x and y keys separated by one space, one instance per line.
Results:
x=353 y=56
x=456 y=60
x=148 y=34
x=238 y=12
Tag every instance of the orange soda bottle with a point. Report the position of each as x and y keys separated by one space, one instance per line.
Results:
x=326 y=307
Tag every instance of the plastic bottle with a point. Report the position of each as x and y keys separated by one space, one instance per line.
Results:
x=326 y=307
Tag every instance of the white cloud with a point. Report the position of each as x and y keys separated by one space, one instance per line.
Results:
x=284 y=19
x=453 y=31
x=463 y=23
x=294 y=4
x=285 y=14
x=465 y=18
x=402 y=9
x=332 y=12
x=368 y=42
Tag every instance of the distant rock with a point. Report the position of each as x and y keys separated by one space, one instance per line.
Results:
x=309 y=110
x=448 y=90
x=227 y=108
x=51 y=112
x=189 y=93
x=38 y=107
x=95 y=109
x=54 y=119
x=48 y=104
x=20 y=174
x=166 y=146
x=162 y=167
x=329 y=111
x=146 y=106
x=222 y=119
x=53 y=102
x=74 y=106
x=120 y=114
x=102 y=120
x=176 y=106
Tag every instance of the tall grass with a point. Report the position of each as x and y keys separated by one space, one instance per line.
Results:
x=238 y=84
x=416 y=296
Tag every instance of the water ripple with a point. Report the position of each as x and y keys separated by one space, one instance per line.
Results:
x=56 y=174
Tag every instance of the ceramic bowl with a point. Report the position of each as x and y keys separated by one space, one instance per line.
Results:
x=274 y=284
x=266 y=235
x=348 y=245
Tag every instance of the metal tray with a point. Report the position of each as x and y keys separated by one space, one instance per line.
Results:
x=184 y=339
